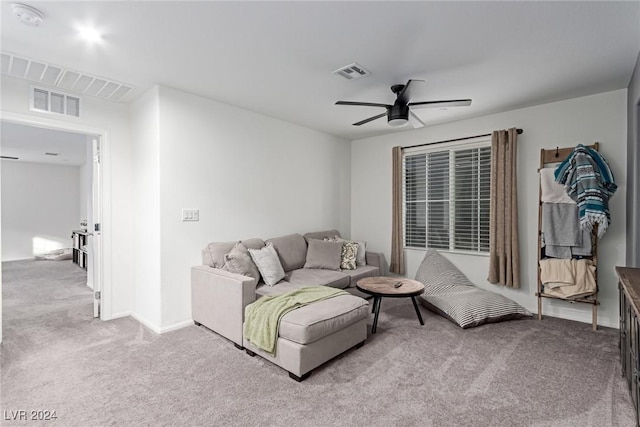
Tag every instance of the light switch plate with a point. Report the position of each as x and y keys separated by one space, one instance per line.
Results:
x=190 y=214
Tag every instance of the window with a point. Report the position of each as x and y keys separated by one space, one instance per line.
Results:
x=446 y=197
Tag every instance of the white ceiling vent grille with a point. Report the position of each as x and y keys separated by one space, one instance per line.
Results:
x=57 y=102
x=40 y=72
x=352 y=71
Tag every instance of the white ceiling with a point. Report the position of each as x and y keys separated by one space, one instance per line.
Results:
x=30 y=144
x=277 y=58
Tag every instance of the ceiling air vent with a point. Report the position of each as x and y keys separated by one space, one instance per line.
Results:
x=352 y=71
x=40 y=72
x=54 y=102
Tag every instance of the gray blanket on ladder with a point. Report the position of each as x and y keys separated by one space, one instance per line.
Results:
x=561 y=231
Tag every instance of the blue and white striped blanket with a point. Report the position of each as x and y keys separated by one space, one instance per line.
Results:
x=589 y=181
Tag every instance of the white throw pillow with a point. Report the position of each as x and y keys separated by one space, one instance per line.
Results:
x=268 y=263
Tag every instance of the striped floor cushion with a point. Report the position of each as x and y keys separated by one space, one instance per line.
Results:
x=449 y=293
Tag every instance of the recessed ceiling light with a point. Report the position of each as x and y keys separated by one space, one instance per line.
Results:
x=27 y=14
x=90 y=34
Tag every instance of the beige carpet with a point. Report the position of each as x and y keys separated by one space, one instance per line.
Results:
x=94 y=373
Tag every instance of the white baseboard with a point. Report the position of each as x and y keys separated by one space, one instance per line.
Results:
x=163 y=329
x=119 y=315
x=563 y=310
x=146 y=323
x=178 y=325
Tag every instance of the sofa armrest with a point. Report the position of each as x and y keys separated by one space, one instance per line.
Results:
x=218 y=299
x=376 y=259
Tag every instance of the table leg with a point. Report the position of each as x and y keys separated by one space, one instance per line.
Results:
x=376 y=307
x=415 y=305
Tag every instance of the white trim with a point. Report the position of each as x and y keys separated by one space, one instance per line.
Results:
x=449 y=251
x=178 y=325
x=119 y=315
x=146 y=323
x=161 y=330
x=47 y=123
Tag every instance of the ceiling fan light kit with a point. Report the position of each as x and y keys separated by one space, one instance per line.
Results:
x=396 y=123
x=398 y=113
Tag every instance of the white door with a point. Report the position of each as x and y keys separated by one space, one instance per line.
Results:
x=97 y=231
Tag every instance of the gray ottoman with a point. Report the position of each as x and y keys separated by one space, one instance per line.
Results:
x=311 y=335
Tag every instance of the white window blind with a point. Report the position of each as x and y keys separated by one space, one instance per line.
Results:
x=446 y=197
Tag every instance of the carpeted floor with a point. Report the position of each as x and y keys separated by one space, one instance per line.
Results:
x=56 y=357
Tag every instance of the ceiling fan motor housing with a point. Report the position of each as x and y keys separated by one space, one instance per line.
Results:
x=398 y=112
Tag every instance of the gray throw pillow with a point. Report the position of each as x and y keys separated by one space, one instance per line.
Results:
x=321 y=235
x=361 y=256
x=324 y=254
x=217 y=251
x=239 y=261
x=268 y=263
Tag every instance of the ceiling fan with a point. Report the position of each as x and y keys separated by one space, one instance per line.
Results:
x=399 y=113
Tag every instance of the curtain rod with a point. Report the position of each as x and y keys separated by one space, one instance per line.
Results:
x=520 y=131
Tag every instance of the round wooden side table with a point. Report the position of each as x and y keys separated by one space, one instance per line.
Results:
x=390 y=287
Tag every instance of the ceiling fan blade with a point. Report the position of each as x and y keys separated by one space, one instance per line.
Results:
x=405 y=94
x=415 y=121
x=370 y=119
x=365 y=104
x=435 y=104
x=8 y=157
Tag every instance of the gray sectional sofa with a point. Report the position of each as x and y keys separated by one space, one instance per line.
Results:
x=309 y=336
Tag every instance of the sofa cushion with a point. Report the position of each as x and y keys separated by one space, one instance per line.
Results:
x=279 y=289
x=325 y=254
x=316 y=277
x=320 y=235
x=239 y=261
x=217 y=251
x=361 y=273
x=319 y=319
x=268 y=263
x=253 y=243
x=292 y=250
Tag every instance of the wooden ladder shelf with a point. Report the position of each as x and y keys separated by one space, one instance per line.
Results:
x=548 y=157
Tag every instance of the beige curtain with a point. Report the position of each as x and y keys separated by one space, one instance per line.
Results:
x=504 y=257
x=397 y=250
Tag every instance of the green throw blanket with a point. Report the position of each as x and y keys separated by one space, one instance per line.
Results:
x=262 y=318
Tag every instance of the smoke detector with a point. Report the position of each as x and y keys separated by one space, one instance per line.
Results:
x=27 y=14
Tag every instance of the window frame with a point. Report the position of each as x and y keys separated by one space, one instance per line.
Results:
x=451 y=147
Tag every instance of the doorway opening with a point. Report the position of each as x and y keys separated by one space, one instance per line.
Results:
x=52 y=208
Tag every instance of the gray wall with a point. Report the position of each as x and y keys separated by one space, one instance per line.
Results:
x=633 y=166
